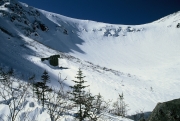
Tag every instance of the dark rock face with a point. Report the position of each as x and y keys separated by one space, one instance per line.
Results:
x=178 y=25
x=166 y=111
x=39 y=25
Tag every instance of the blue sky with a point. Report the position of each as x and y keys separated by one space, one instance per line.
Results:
x=130 y=12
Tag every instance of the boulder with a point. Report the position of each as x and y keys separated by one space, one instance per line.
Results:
x=166 y=111
x=178 y=25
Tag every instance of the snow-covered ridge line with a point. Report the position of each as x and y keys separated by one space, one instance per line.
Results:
x=172 y=17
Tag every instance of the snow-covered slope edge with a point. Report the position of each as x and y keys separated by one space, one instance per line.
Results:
x=140 y=61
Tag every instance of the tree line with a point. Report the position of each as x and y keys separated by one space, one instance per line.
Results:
x=56 y=101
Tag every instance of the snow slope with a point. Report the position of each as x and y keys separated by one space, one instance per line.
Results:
x=142 y=61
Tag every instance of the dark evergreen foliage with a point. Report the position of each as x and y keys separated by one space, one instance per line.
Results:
x=94 y=106
x=41 y=88
x=78 y=95
x=43 y=85
x=37 y=90
x=90 y=107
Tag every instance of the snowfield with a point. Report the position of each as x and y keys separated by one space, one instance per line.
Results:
x=140 y=61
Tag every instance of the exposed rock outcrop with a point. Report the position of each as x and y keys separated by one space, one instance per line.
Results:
x=166 y=111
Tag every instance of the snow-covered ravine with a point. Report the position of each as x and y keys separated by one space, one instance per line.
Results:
x=142 y=61
x=149 y=52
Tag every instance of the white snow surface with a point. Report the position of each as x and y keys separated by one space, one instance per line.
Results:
x=140 y=61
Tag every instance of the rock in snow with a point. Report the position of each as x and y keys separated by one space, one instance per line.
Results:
x=166 y=111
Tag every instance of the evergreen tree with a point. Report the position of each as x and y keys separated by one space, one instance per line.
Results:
x=94 y=106
x=45 y=77
x=40 y=88
x=120 y=107
x=88 y=105
x=78 y=95
x=37 y=90
x=43 y=85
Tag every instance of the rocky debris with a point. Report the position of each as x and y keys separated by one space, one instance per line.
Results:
x=130 y=29
x=65 y=32
x=166 y=111
x=120 y=31
x=62 y=29
x=25 y=19
x=178 y=25
x=39 y=25
x=112 y=32
x=2 y=2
